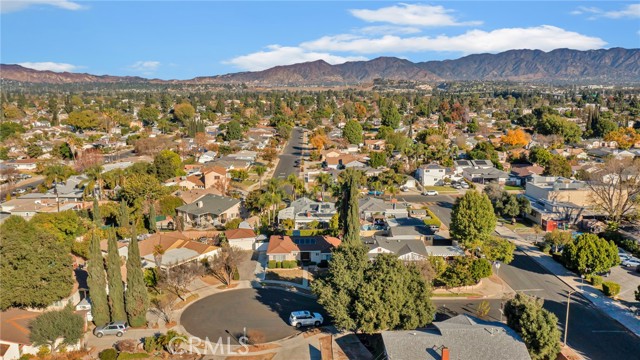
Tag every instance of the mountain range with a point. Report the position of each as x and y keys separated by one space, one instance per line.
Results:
x=609 y=65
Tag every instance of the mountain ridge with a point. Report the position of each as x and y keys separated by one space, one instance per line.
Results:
x=615 y=64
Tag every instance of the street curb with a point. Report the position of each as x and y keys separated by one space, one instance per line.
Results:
x=577 y=292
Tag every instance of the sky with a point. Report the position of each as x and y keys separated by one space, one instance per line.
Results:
x=185 y=39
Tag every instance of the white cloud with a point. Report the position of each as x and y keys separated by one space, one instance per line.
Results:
x=412 y=15
x=630 y=11
x=387 y=30
x=543 y=37
x=145 y=67
x=52 y=66
x=7 y=6
x=276 y=55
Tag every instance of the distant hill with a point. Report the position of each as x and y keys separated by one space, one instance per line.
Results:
x=611 y=65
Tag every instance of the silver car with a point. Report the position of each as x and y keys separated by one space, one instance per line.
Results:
x=117 y=328
x=305 y=318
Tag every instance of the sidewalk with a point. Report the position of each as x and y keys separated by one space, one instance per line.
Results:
x=595 y=296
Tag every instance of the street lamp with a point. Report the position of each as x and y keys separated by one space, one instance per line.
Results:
x=566 y=322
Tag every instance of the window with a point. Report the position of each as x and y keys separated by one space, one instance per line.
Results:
x=278 y=257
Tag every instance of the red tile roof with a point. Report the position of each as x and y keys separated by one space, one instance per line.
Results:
x=279 y=244
x=239 y=234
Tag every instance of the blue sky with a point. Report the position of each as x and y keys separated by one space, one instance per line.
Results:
x=181 y=40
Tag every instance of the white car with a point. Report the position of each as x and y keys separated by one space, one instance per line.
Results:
x=305 y=318
x=631 y=262
x=430 y=193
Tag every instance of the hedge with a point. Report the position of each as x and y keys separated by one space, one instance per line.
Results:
x=433 y=219
x=596 y=280
x=272 y=264
x=306 y=232
x=610 y=288
x=287 y=264
x=127 y=356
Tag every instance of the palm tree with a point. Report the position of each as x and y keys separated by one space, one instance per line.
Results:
x=392 y=191
x=297 y=184
x=95 y=177
x=260 y=170
x=323 y=180
x=54 y=174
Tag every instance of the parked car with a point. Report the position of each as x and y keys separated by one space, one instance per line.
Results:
x=631 y=262
x=117 y=328
x=464 y=185
x=305 y=318
x=456 y=186
x=404 y=189
x=375 y=192
x=430 y=193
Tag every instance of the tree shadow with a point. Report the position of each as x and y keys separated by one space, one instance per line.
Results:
x=284 y=303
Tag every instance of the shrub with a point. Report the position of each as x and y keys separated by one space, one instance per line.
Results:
x=108 y=354
x=289 y=264
x=127 y=356
x=128 y=345
x=272 y=264
x=151 y=344
x=480 y=268
x=278 y=264
x=236 y=275
x=432 y=219
x=610 y=288
x=596 y=280
x=323 y=264
x=43 y=351
x=544 y=247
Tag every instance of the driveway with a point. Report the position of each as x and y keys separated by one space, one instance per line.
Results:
x=263 y=310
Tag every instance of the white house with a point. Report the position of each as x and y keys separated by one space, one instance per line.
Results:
x=431 y=175
x=207 y=157
x=244 y=239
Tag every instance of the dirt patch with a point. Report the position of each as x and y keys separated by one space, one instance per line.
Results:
x=262 y=347
x=290 y=275
x=191 y=298
x=325 y=348
x=211 y=280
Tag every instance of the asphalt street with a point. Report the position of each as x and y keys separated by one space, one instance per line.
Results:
x=440 y=204
x=292 y=152
x=33 y=182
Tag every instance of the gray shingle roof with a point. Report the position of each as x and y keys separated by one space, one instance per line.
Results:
x=211 y=204
x=466 y=337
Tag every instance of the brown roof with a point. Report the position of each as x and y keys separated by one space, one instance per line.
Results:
x=14 y=325
x=171 y=240
x=526 y=170
x=239 y=234
x=343 y=159
x=192 y=195
x=104 y=245
x=195 y=179
x=216 y=169
x=279 y=244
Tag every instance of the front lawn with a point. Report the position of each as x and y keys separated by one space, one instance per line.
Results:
x=290 y=275
x=440 y=188
x=516 y=188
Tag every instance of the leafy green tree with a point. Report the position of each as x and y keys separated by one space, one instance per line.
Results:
x=590 y=254
x=473 y=126
x=353 y=132
x=234 y=130
x=485 y=151
x=123 y=214
x=35 y=270
x=556 y=125
x=83 y=120
x=389 y=113
x=152 y=218
x=63 y=226
x=537 y=326
x=184 y=112
x=34 y=150
x=57 y=329
x=472 y=219
x=498 y=249
x=377 y=159
x=148 y=115
x=167 y=164
x=558 y=165
x=95 y=213
x=136 y=297
x=10 y=129
x=97 y=283
x=168 y=205
x=114 y=277
x=558 y=238
x=141 y=187
x=539 y=155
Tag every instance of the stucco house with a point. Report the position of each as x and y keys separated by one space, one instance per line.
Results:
x=244 y=239
x=431 y=175
x=302 y=248
x=209 y=210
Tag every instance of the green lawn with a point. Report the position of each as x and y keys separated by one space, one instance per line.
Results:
x=440 y=188
x=509 y=187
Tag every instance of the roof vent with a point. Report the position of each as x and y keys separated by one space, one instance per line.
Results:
x=199 y=204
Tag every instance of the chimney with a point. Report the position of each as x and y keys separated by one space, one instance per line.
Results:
x=445 y=353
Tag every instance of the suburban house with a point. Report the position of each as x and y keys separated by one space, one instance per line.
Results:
x=460 y=337
x=520 y=173
x=375 y=144
x=556 y=201
x=176 y=247
x=241 y=238
x=23 y=164
x=302 y=248
x=245 y=155
x=372 y=206
x=209 y=210
x=406 y=250
x=304 y=211
x=207 y=157
x=485 y=175
x=185 y=182
x=431 y=175
x=215 y=176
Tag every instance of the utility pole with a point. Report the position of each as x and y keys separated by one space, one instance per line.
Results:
x=566 y=321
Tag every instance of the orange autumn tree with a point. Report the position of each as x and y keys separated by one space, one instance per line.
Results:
x=625 y=137
x=516 y=138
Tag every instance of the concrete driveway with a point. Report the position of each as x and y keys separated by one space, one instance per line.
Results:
x=263 y=310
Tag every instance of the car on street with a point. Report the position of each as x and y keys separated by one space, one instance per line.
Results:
x=375 y=192
x=464 y=185
x=430 y=193
x=631 y=262
x=305 y=318
x=117 y=328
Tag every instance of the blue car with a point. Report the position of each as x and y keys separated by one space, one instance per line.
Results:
x=375 y=192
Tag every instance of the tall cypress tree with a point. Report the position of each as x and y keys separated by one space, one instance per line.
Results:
x=97 y=218
x=123 y=216
x=114 y=276
x=152 y=218
x=352 y=218
x=136 y=299
x=97 y=283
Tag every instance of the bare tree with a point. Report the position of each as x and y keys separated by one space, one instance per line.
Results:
x=177 y=279
x=615 y=188
x=163 y=307
x=425 y=269
x=224 y=263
